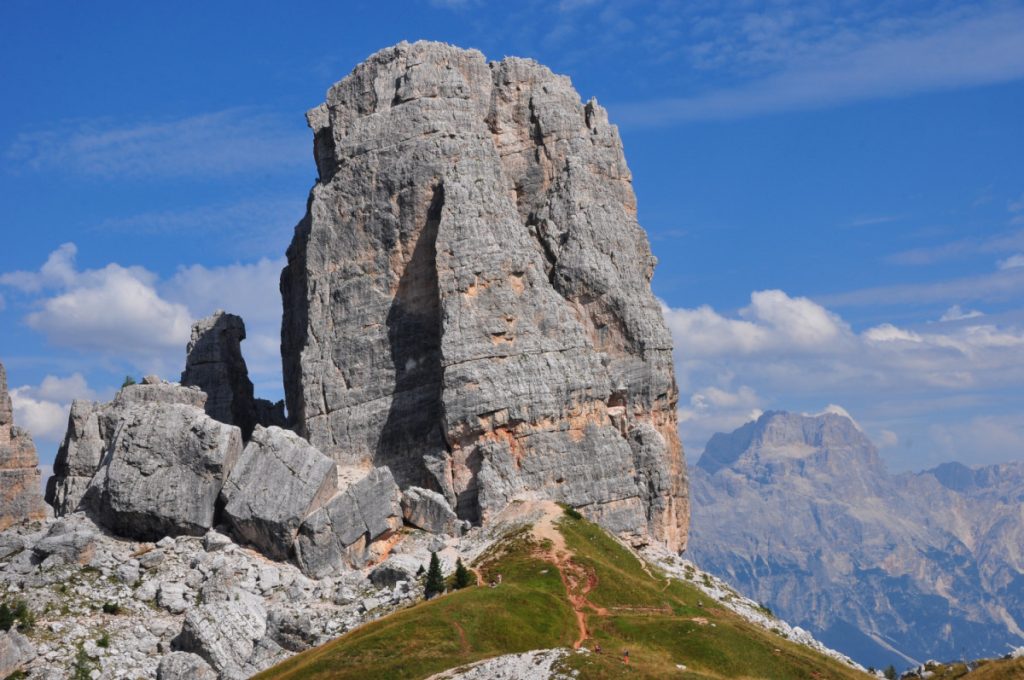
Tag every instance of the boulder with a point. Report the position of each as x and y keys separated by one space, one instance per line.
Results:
x=91 y=428
x=428 y=510
x=469 y=302
x=342 y=532
x=15 y=652
x=277 y=482
x=225 y=634
x=20 y=499
x=215 y=365
x=71 y=540
x=164 y=471
x=184 y=666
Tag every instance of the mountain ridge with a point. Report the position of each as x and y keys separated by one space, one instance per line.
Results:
x=887 y=568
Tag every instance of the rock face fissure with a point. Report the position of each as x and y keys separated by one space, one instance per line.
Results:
x=467 y=300
x=19 y=473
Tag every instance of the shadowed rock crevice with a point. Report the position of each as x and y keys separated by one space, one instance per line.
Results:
x=413 y=429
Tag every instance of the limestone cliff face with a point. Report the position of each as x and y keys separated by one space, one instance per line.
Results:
x=20 y=498
x=467 y=299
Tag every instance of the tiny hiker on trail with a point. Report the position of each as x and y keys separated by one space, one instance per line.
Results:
x=625 y=656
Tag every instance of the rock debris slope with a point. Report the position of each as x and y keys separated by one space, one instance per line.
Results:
x=467 y=300
x=19 y=472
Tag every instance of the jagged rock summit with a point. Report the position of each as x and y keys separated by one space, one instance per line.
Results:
x=467 y=300
x=19 y=471
x=215 y=365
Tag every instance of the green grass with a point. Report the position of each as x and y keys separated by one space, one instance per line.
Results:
x=528 y=611
x=662 y=622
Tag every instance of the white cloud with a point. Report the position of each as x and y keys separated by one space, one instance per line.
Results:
x=1005 y=284
x=983 y=439
x=1012 y=262
x=58 y=270
x=43 y=409
x=112 y=310
x=234 y=141
x=886 y=439
x=789 y=352
x=44 y=419
x=955 y=313
x=130 y=318
x=772 y=322
x=805 y=63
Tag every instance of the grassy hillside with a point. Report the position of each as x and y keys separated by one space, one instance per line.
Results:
x=565 y=582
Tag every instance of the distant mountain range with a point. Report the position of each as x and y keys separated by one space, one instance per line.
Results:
x=799 y=513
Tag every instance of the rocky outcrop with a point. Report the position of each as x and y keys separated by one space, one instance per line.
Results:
x=799 y=512
x=91 y=430
x=20 y=499
x=215 y=365
x=468 y=301
x=352 y=527
x=15 y=652
x=279 y=480
x=430 y=511
x=163 y=472
x=184 y=666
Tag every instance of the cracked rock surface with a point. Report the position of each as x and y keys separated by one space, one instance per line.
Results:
x=467 y=300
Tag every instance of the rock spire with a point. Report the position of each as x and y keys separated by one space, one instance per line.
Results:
x=467 y=300
x=20 y=497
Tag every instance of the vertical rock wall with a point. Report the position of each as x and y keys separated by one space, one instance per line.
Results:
x=20 y=496
x=468 y=302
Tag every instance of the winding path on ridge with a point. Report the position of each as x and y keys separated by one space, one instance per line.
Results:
x=577 y=579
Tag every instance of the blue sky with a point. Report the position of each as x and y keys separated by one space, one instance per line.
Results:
x=835 y=192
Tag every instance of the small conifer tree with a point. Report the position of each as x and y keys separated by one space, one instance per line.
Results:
x=462 y=576
x=128 y=380
x=890 y=672
x=435 y=579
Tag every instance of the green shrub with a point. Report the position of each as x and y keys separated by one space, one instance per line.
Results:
x=83 y=666
x=435 y=579
x=111 y=608
x=462 y=576
x=103 y=640
x=17 y=614
x=128 y=380
x=572 y=512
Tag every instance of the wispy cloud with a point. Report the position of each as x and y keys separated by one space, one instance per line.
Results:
x=230 y=142
x=1005 y=284
x=998 y=243
x=783 y=351
x=842 y=65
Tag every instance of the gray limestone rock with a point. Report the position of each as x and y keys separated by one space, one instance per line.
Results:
x=163 y=471
x=342 y=533
x=91 y=428
x=71 y=539
x=468 y=301
x=184 y=666
x=428 y=510
x=15 y=652
x=20 y=499
x=215 y=365
x=278 y=481
x=225 y=634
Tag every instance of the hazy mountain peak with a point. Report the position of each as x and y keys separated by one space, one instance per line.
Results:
x=782 y=438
